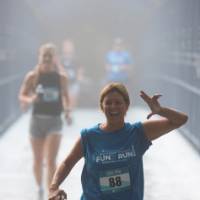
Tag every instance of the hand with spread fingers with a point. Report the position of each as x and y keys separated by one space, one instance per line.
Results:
x=57 y=195
x=152 y=102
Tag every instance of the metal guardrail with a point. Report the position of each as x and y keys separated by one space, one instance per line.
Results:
x=183 y=96
x=9 y=88
x=171 y=62
x=19 y=41
x=10 y=79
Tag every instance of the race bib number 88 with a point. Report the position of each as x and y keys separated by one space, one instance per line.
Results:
x=114 y=180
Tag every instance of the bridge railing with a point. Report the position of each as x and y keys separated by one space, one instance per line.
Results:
x=185 y=97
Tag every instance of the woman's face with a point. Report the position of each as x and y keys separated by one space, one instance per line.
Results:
x=47 y=59
x=114 y=107
x=68 y=48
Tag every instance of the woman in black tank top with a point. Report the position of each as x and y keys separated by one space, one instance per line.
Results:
x=45 y=87
x=49 y=89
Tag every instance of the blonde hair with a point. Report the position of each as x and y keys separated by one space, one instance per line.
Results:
x=117 y=87
x=48 y=48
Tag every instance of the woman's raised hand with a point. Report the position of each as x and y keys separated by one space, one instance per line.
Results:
x=152 y=102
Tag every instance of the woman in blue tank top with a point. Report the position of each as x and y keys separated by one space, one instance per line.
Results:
x=113 y=150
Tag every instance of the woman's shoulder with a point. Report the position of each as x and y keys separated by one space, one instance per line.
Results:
x=137 y=124
x=63 y=75
x=133 y=124
x=31 y=75
x=91 y=130
x=134 y=127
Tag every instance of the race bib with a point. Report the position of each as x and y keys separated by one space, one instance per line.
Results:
x=50 y=95
x=116 y=180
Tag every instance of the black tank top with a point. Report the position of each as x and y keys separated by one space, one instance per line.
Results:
x=49 y=100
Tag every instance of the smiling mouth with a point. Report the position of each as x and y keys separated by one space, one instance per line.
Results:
x=47 y=61
x=114 y=114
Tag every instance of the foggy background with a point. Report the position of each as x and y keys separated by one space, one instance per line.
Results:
x=162 y=36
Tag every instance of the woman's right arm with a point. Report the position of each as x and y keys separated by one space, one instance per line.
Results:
x=63 y=170
x=26 y=95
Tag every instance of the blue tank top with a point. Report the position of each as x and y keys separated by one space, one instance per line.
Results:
x=113 y=168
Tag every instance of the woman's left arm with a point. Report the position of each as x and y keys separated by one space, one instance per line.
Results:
x=171 y=119
x=65 y=97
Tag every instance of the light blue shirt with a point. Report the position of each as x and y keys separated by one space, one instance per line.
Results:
x=117 y=60
x=113 y=168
